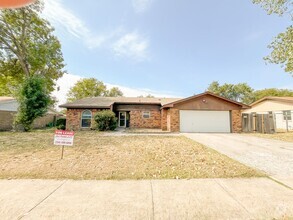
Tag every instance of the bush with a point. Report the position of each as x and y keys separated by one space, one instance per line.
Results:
x=106 y=120
x=61 y=127
x=50 y=125
x=34 y=101
x=61 y=121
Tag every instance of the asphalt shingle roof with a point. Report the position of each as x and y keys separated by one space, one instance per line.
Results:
x=106 y=102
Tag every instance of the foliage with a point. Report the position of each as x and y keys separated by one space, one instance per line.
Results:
x=61 y=127
x=147 y=96
x=282 y=46
x=244 y=93
x=106 y=120
x=61 y=123
x=114 y=92
x=33 y=99
x=240 y=92
x=259 y=94
x=90 y=87
x=27 y=47
x=282 y=50
x=275 y=6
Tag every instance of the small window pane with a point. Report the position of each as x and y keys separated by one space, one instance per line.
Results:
x=146 y=114
x=86 y=123
x=287 y=115
x=86 y=118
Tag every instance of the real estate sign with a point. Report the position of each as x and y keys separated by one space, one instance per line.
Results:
x=64 y=138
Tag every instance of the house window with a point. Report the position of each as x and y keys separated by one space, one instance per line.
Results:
x=146 y=115
x=287 y=115
x=86 y=119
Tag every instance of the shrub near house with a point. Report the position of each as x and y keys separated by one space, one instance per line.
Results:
x=106 y=120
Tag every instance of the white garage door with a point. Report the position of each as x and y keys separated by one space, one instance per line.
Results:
x=204 y=121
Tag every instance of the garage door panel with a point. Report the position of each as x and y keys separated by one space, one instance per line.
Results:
x=204 y=121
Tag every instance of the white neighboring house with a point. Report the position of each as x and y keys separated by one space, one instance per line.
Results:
x=281 y=107
x=8 y=109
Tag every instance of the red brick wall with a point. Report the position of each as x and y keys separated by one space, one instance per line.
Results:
x=137 y=121
x=236 y=121
x=174 y=120
x=73 y=118
x=164 y=119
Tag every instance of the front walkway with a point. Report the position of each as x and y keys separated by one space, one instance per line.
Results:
x=271 y=156
x=259 y=198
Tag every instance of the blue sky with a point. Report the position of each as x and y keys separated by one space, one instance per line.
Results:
x=170 y=48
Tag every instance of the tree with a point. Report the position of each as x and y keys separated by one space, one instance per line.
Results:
x=240 y=92
x=282 y=50
x=33 y=99
x=259 y=94
x=147 y=96
x=114 y=92
x=91 y=87
x=282 y=46
x=27 y=48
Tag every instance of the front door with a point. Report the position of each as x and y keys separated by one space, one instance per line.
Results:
x=122 y=119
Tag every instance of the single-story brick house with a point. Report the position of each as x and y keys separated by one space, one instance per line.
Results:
x=205 y=112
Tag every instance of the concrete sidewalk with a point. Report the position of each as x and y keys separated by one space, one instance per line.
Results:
x=257 y=198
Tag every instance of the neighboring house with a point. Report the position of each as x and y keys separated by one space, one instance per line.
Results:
x=281 y=107
x=205 y=112
x=8 y=109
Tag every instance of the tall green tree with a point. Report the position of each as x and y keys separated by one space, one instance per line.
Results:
x=27 y=47
x=259 y=94
x=91 y=87
x=114 y=92
x=240 y=92
x=282 y=45
x=33 y=99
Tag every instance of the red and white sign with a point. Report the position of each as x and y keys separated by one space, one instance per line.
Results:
x=14 y=3
x=63 y=138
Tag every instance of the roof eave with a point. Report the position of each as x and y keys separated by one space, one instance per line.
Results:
x=169 y=105
x=270 y=98
x=83 y=107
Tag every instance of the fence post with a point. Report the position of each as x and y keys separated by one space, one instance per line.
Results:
x=287 y=124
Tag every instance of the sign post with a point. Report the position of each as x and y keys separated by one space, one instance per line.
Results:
x=63 y=138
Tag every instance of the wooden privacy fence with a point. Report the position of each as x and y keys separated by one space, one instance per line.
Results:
x=260 y=123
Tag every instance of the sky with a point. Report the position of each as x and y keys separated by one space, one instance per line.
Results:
x=166 y=48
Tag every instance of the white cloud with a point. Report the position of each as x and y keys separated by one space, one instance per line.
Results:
x=62 y=87
x=56 y=13
x=141 y=6
x=62 y=17
x=68 y=80
x=132 y=45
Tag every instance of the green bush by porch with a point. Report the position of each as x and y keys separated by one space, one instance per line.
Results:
x=106 y=120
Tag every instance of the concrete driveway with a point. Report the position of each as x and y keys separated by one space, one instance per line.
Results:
x=254 y=198
x=271 y=156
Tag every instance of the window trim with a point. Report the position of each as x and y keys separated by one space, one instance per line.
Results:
x=148 y=113
x=86 y=118
x=288 y=115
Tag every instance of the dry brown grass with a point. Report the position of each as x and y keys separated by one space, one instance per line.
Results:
x=94 y=156
x=281 y=136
